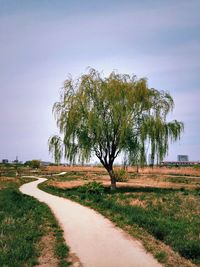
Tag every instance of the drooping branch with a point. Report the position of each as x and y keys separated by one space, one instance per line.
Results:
x=109 y=115
x=56 y=147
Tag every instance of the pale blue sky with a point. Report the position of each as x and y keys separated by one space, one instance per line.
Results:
x=42 y=41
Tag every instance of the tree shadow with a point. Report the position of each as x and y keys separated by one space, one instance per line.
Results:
x=141 y=189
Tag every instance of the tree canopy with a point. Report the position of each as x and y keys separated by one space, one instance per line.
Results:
x=105 y=116
x=35 y=163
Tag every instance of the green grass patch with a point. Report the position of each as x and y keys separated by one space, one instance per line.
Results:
x=161 y=256
x=23 y=222
x=184 y=180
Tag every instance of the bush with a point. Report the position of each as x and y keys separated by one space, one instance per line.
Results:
x=93 y=188
x=121 y=175
x=33 y=163
x=161 y=256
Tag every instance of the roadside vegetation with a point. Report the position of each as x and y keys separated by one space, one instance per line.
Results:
x=29 y=233
x=166 y=220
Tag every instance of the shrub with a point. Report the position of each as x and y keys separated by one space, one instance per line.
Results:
x=93 y=188
x=161 y=256
x=121 y=175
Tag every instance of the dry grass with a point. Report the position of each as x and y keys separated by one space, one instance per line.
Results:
x=137 y=202
x=164 y=170
x=74 y=169
x=140 y=181
x=147 y=170
x=10 y=182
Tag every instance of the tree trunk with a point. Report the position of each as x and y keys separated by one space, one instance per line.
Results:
x=112 y=179
x=137 y=169
x=109 y=168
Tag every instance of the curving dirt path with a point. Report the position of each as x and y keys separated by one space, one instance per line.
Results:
x=93 y=238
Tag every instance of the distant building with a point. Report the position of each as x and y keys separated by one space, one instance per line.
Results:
x=182 y=158
x=4 y=161
x=16 y=160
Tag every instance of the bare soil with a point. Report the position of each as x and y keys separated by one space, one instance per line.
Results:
x=141 y=181
x=47 y=257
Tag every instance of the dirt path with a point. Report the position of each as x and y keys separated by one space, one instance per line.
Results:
x=93 y=238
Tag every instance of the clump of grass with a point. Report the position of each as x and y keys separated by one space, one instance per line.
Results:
x=121 y=175
x=161 y=256
x=91 y=188
x=61 y=249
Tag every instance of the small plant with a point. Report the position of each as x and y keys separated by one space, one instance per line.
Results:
x=93 y=188
x=161 y=256
x=121 y=175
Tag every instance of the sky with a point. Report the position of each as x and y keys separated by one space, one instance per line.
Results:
x=41 y=42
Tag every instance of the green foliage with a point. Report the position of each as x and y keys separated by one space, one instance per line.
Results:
x=35 y=163
x=55 y=147
x=121 y=175
x=105 y=116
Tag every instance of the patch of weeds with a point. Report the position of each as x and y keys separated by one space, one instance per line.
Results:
x=121 y=175
x=91 y=188
x=161 y=256
x=61 y=249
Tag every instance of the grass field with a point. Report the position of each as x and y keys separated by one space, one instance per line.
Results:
x=160 y=207
x=162 y=210
x=29 y=233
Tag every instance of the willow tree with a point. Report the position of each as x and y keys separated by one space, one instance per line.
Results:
x=105 y=116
